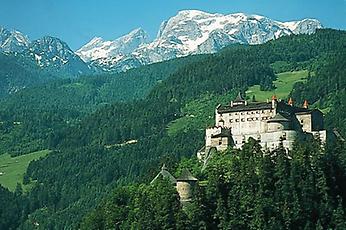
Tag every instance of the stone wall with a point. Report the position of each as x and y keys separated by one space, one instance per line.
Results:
x=245 y=122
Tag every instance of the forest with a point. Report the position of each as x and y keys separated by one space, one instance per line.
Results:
x=91 y=166
x=244 y=189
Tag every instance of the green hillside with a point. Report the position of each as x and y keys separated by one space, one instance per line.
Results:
x=12 y=169
x=283 y=86
x=199 y=113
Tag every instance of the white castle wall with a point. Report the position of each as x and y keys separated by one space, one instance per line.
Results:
x=245 y=122
x=254 y=124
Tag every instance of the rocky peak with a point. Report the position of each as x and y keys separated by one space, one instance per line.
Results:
x=12 y=41
x=191 y=32
x=98 y=48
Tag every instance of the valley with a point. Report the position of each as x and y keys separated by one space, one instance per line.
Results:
x=110 y=133
x=12 y=169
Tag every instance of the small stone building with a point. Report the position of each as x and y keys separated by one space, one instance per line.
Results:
x=185 y=185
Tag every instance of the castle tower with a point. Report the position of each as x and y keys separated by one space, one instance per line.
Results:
x=185 y=185
x=278 y=123
x=239 y=100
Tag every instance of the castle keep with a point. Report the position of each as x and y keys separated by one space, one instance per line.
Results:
x=270 y=122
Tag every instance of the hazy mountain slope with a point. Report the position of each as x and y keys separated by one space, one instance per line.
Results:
x=18 y=72
x=50 y=54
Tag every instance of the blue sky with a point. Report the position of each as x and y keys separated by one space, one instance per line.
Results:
x=77 y=21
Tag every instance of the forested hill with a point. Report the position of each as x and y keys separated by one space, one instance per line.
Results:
x=92 y=156
x=31 y=115
x=18 y=72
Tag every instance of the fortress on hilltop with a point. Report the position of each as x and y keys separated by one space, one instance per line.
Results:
x=271 y=123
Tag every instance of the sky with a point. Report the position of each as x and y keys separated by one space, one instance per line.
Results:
x=78 y=21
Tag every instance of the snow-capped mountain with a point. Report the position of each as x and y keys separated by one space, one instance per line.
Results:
x=49 y=53
x=56 y=56
x=195 y=32
x=98 y=48
x=12 y=41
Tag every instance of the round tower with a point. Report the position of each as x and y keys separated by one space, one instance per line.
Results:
x=278 y=123
x=185 y=185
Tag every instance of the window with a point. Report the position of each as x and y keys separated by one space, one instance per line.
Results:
x=302 y=121
x=220 y=142
x=236 y=120
x=230 y=120
x=241 y=113
x=242 y=119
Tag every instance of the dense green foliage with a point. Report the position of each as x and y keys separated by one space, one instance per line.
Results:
x=31 y=116
x=246 y=189
x=327 y=89
x=139 y=207
x=13 y=208
x=18 y=72
x=93 y=152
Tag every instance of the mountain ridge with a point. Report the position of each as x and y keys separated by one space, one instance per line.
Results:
x=50 y=54
x=195 y=32
x=189 y=32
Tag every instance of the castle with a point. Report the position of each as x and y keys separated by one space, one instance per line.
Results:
x=271 y=123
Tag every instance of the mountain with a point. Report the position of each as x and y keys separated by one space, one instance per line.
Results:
x=193 y=32
x=114 y=55
x=50 y=54
x=18 y=72
x=12 y=41
x=98 y=48
x=55 y=56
